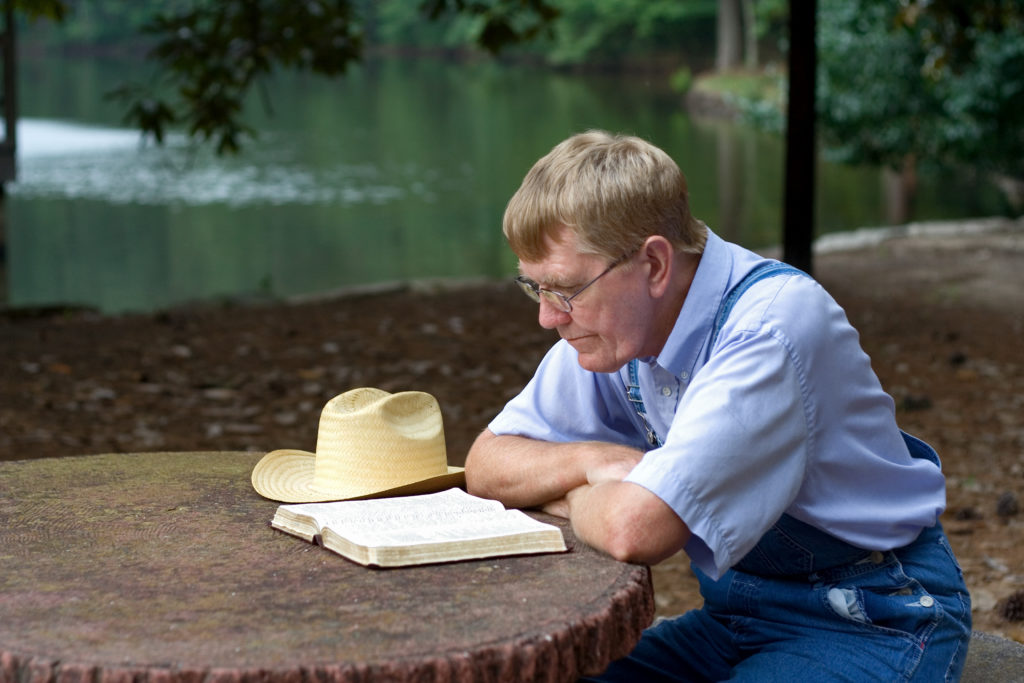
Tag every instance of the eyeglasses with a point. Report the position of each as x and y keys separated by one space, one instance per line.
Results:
x=557 y=299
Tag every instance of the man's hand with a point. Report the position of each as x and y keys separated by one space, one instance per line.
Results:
x=611 y=470
x=560 y=507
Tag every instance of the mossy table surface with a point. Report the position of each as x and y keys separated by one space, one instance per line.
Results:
x=163 y=566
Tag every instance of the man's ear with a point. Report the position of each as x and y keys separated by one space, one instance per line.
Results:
x=657 y=253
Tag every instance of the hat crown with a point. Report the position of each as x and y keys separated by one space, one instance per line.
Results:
x=372 y=439
x=369 y=443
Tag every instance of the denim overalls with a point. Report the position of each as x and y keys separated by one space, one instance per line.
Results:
x=806 y=606
x=803 y=605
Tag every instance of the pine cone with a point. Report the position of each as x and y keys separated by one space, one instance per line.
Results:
x=1012 y=608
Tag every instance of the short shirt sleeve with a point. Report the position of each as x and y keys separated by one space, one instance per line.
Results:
x=735 y=454
x=564 y=403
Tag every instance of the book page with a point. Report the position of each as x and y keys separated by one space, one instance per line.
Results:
x=447 y=515
x=506 y=523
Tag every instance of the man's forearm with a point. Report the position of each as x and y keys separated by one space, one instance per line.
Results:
x=626 y=521
x=523 y=472
x=581 y=480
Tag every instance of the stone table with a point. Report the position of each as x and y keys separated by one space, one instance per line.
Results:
x=163 y=567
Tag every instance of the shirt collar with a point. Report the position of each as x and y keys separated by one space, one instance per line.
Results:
x=692 y=329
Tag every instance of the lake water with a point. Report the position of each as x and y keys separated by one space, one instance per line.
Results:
x=398 y=171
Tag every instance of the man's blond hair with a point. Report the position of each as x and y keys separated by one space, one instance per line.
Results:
x=612 y=191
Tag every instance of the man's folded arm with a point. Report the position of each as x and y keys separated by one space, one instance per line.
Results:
x=523 y=472
x=626 y=521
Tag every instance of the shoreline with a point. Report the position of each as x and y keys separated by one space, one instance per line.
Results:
x=861 y=238
x=918 y=233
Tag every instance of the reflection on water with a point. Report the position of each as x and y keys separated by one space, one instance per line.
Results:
x=98 y=219
x=399 y=171
x=58 y=160
x=43 y=139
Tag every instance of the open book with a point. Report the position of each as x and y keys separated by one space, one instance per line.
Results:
x=437 y=527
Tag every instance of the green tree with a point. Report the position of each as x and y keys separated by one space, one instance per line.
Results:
x=607 y=32
x=974 y=56
x=936 y=82
x=729 y=42
x=741 y=25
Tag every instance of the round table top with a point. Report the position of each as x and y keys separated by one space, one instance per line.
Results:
x=130 y=566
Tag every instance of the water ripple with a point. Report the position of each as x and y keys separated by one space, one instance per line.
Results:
x=59 y=160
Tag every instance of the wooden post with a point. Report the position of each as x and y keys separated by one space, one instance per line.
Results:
x=798 y=207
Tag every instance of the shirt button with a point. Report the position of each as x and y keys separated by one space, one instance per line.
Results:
x=927 y=601
x=665 y=391
x=685 y=376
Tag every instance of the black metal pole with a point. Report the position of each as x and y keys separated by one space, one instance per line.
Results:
x=798 y=206
x=9 y=95
x=8 y=145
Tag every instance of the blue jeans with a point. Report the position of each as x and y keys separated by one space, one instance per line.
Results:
x=903 y=615
x=805 y=606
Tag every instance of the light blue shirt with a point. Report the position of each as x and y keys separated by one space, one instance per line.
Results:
x=783 y=415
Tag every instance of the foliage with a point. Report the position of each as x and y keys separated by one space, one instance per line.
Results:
x=771 y=19
x=871 y=97
x=212 y=53
x=759 y=97
x=207 y=100
x=564 y=32
x=592 y=30
x=54 y=10
x=744 y=85
x=937 y=81
x=978 y=70
x=681 y=80
x=499 y=23
x=209 y=54
x=400 y=23
x=93 y=22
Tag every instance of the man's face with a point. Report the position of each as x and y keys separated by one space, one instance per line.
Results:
x=610 y=320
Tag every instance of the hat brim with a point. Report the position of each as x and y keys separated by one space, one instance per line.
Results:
x=287 y=477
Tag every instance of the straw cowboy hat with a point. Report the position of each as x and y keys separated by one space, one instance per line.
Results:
x=370 y=443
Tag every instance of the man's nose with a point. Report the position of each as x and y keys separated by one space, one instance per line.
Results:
x=551 y=316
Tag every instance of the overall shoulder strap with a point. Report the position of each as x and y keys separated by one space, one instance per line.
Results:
x=633 y=396
x=765 y=270
x=761 y=272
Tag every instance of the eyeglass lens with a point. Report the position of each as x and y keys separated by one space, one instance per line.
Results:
x=535 y=292
x=557 y=299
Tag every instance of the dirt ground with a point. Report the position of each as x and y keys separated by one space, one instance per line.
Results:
x=941 y=316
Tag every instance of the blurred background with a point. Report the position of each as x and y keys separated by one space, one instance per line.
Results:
x=379 y=141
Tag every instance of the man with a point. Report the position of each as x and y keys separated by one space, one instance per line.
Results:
x=708 y=400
